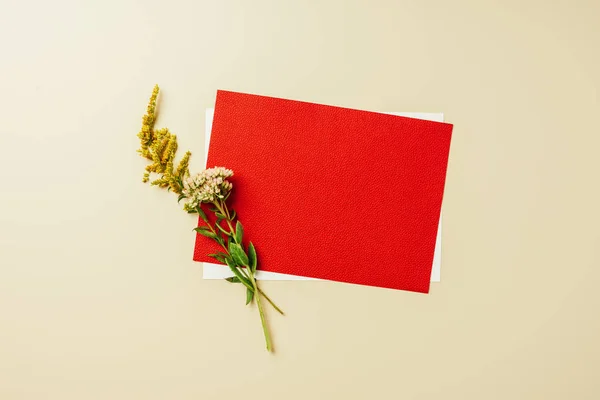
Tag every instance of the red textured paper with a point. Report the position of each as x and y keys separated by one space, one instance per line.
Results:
x=330 y=192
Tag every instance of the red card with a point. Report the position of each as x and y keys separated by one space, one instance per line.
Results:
x=330 y=192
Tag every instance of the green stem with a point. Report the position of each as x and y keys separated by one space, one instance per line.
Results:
x=262 y=316
x=240 y=270
x=222 y=207
x=270 y=301
x=225 y=211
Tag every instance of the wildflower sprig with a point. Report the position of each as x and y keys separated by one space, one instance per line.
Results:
x=160 y=146
x=210 y=187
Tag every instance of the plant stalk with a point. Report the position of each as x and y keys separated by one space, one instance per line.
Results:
x=222 y=207
x=262 y=315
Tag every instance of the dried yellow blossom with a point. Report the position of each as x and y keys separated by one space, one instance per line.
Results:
x=146 y=134
x=183 y=164
x=160 y=147
x=170 y=149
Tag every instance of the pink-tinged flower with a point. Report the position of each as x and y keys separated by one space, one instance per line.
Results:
x=207 y=186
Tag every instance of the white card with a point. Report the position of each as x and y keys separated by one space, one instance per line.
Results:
x=218 y=271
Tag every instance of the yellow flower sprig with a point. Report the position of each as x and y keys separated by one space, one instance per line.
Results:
x=160 y=147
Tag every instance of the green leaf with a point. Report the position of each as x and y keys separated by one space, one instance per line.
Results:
x=226 y=232
x=238 y=254
x=204 y=231
x=239 y=232
x=249 y=296
x=202 y=215
x=219 y=256
x=219 y=215
x=252 y=257
x=181 y=197
x=236 y=271
x=191 y=211
x=233 y=214
x=233 y=279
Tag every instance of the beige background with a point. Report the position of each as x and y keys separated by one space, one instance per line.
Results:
x=99 y=298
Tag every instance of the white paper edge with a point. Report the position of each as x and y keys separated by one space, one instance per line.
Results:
x=217 y=271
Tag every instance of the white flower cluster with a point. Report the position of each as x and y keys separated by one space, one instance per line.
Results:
x=207 y=186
